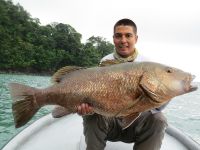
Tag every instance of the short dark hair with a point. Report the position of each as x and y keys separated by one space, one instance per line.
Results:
x=126 y=22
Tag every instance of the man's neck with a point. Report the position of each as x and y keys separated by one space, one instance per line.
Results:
x=126 y=56
x=131 y=57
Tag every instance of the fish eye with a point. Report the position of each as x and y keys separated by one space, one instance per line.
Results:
x=169 y=70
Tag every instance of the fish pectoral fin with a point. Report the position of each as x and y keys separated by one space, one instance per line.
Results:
x=128 y=120
x=60 y=111
x=149 y=83
x=61 y=73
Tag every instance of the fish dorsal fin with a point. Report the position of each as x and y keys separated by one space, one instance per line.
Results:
x=128 y=120
x=109 y=62
x=61 y=73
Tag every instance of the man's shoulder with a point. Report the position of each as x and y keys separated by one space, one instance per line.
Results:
x=140 y=58
x=108 y=57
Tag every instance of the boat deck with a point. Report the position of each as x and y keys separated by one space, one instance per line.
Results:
x=67 y=133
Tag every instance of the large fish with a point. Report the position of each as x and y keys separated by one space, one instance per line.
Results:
x=120 y=90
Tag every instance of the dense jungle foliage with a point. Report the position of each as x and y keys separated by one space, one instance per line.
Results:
x=29 y=47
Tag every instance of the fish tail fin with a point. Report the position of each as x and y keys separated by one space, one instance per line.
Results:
x=24 y=104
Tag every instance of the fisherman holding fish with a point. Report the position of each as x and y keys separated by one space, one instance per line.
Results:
x=148 y=129
x=126 y=98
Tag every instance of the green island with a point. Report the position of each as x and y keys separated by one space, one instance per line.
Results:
x=28 y=47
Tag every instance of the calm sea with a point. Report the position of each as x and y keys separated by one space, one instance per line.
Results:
x=183 y=112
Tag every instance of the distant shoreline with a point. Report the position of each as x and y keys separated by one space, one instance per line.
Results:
x=27 y=73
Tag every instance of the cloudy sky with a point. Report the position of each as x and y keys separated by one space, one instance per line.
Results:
x=168 y=30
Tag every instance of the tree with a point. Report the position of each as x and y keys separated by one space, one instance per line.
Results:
x=102 y=46
x=94 y=49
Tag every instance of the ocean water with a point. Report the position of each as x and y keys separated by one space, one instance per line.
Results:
x=183 y=112
x=7 y=129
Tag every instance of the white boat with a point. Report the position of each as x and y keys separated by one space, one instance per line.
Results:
x=66 y=133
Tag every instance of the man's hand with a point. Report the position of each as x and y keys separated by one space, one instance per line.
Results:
x=85 y=109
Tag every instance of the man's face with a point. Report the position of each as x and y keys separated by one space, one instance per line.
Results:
x=124 y=39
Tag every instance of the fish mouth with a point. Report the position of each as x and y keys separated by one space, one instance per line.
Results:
x=189 y=84
x=192 y=88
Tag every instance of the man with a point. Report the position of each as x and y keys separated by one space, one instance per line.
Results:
x=147 y=131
